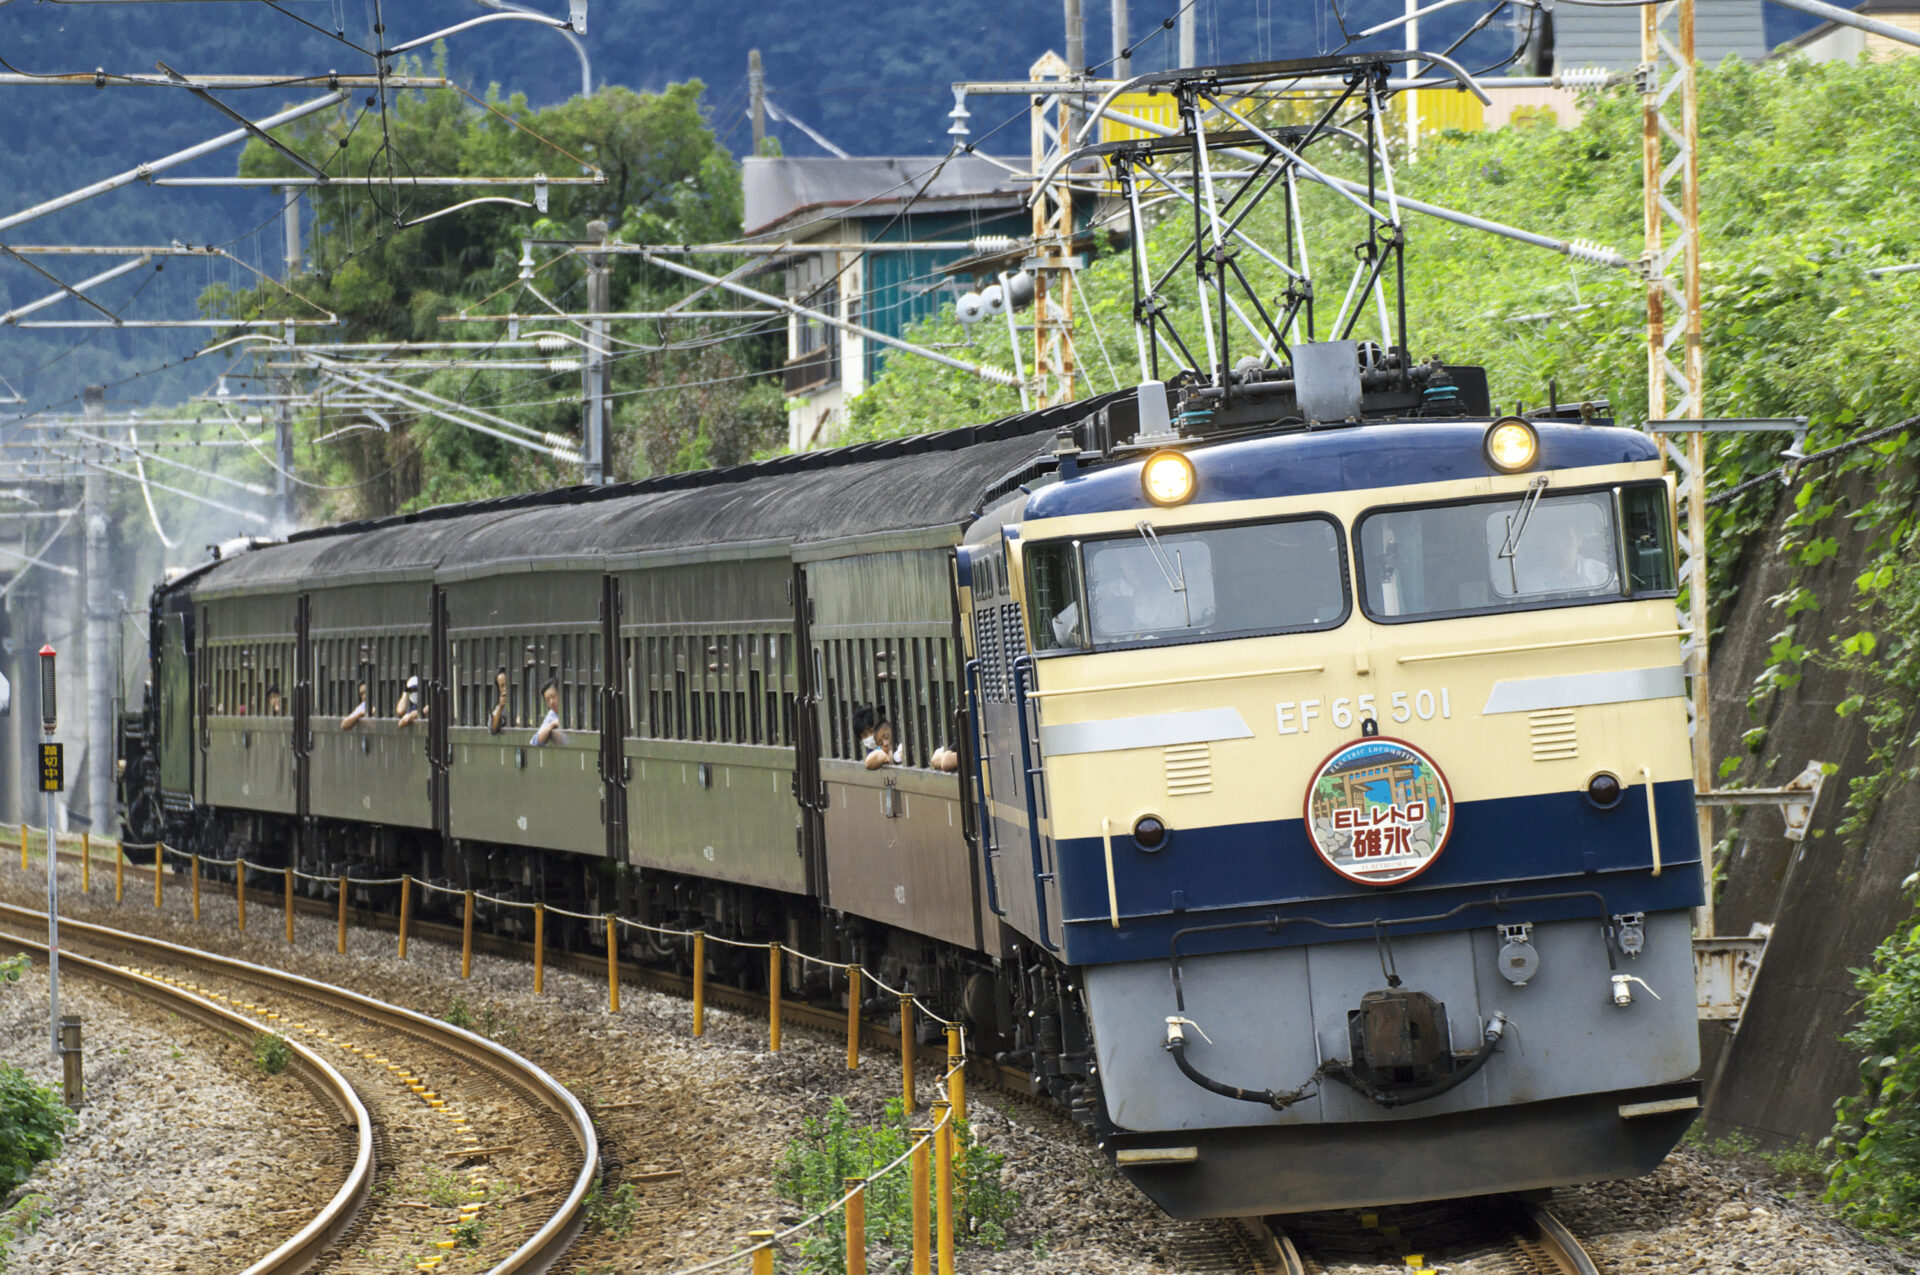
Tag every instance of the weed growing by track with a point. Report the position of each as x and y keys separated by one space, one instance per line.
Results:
x=613 y=1213
x=271 y=1052
x=830 y=1149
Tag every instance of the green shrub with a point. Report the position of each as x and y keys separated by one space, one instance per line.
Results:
x=32 y=1120
x=1875 y=1178
x=829 y=1150
x=614 y=1212
x=271 y=1052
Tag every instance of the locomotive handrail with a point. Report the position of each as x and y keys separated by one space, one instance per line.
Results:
x=1040 y=874
x=977 y=727
x=1175 y=681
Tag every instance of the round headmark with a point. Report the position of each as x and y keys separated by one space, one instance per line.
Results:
x=1378 y=811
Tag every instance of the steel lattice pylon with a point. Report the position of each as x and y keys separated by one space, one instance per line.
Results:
x=1054 y=364
x=1670 y=171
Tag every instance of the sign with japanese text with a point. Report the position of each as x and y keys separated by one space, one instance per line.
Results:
x=1378 y=811
x=53 y=768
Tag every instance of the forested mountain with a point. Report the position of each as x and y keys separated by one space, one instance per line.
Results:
x=871 y=78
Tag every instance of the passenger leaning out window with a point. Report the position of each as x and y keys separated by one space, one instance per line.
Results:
x=409 y=709
x=359 y=713
x=550 y=732
x=497 y=719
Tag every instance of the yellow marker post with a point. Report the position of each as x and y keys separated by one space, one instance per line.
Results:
x=406 y=911
x=86 y=863
x=943 y=1185
x=762 y=1242
x=240 y=892
x=700 y=983
x=340 y=944
x=119 y=872
x=906 y=1050
x=613 y=966
x=773 y=998
x=194 y=873
x=856 y=1226
x=23 y=845
x=158 y=850
x=922 y=1240
x=289 y=874
x=956 y=1071
x=855 y=986
x=466 y=939
x=539 y=948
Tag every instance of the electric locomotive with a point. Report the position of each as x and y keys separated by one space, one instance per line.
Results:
x=1321 y=833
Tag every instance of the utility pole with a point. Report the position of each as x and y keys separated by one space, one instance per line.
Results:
x=1052 y=262
x=757 y=98
x=597 y=444
x=101 y=622
x=1667 y=72
x=1412 y=96
x=1189 y=20
x=290 y=220
x=283 y=441
x=1122 y=68
x=52 y=780
x=1076 y=38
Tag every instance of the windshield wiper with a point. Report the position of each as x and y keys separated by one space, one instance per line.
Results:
x=1174 y=570
x=1517 y=522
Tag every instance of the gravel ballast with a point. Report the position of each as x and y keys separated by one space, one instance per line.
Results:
x=179 y=1159
x=695 y=1128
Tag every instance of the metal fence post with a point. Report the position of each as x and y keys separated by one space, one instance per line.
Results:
x=119 y=872
x=856 y=1225
x=240 y=892
x=193 y=870
x=956 y=1071
x=466 y=939
x=773 y=998
x=906 y=1050
x=86 y=863
x=406 y=911
x=340 y=943
x=855 y=986
x=539 y=948
x=613 y=966
x=943 y=1185
x=922 y=1240
x=73 y=1077
x=159 y=849
x=762 y=1242
x=289 y=875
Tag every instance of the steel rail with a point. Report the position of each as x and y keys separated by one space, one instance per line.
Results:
x=1552 y=1235
x=548 y=1245
x=299 y=1251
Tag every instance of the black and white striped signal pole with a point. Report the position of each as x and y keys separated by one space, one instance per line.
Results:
x=52 y=780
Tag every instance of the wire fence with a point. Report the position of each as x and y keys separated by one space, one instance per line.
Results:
x=931 y=1158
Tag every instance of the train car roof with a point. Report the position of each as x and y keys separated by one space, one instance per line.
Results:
x=895 y=486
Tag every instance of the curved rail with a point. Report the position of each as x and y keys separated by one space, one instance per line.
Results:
x=1552 y=1235
x=298 y=1252
x=547 y=1245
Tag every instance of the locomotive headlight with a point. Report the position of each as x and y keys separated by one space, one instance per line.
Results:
x=1511 y=445
x=1167 y=478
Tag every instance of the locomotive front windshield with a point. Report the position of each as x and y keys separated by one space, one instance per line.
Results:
x=1516 y=553
x=1145 y=586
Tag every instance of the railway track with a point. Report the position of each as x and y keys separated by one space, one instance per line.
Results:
x=331 y=1089
x=1500 y=1235
x=476 y=1160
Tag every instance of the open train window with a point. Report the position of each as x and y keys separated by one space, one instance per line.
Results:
x=1521 y=552
x=1152 y=587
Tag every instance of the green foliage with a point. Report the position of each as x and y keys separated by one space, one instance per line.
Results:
x=677 y=403
x=271 y=1052
x=32 y=1120
x=613 y=1213
x=13 y=967
x=469 y=1232
x=1875 y=1178
x=814 y=1168
x=459 y=1014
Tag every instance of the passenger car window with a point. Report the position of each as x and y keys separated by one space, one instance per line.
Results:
x=1188 y=585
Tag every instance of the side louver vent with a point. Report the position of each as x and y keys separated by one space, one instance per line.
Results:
x=1189 y=770
x=1553 y=737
